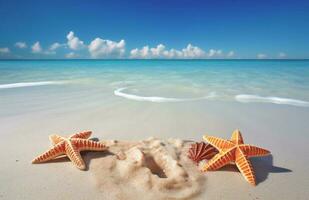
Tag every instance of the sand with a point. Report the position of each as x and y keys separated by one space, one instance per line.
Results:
x=24 y=133
x=148 y=169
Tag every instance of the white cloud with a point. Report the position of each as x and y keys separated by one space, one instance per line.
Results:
x=74 y=42
x=36 y=47
x=214 y=53
x=155 y=52
x=193 y=52
x=71 y=55
x=161 y=52
x=230 y=54
x=4 y=50
x=100 y=48
x=143 y=53
x=21 y=45
x=158 y=51
x=282 y=55
x=147 y=52
x=55 y=46
x=261 y=56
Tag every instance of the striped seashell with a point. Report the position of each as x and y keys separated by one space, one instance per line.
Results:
x=200 y=151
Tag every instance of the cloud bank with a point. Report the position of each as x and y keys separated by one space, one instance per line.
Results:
x=100 y=48
x=189 y=52
x=74 y=47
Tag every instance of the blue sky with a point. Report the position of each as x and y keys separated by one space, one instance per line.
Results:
x=154 y=29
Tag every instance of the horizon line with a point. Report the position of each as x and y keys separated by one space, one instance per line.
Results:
x=154 y=59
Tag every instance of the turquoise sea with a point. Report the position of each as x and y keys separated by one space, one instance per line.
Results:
x=284 y=82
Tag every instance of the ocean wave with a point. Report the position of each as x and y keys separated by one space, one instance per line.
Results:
x=28 y=84
x=119 y=92
x=245 y=98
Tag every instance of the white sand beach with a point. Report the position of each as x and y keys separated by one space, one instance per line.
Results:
x=24 y=134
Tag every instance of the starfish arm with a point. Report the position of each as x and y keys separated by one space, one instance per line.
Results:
x=220 y=160
x=55 y=139
x=82 y=135
x=237 y=137
x=54 y=152
x=73 y=153
x=83 y=144
x=218 y=143
x=252 y=151
x=245 y=167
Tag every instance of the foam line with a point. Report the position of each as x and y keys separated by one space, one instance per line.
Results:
x=119 y=92
x=246 y=98
x=28 y=84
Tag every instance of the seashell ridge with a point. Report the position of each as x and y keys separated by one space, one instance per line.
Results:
x=200 y=151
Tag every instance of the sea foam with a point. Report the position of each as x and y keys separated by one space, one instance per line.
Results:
x=119 y=92
x=28 y=84
x=246 y=98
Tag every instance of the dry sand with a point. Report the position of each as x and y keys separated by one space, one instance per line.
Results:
x=281 y=129
x=148 y=169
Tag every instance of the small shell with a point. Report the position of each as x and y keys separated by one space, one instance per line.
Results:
x=201 y=151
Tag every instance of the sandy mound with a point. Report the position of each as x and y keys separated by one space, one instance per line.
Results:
x=148 y=169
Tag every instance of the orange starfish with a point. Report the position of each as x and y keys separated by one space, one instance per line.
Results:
x=70 y=147
x=236 y=152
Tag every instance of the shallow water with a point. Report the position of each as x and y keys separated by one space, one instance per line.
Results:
x=281 y=82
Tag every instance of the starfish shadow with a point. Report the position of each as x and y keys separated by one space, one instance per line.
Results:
x=262 y=167
x=90 y=155
x=94 y=139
